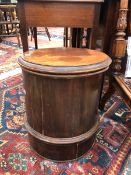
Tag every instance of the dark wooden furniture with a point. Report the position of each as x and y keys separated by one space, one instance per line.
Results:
x=118 y=18
x=58 y=13
x=62 y=95
x=129 y=19
x=8 y=20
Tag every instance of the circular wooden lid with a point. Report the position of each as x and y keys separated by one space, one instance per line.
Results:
x=65 y=60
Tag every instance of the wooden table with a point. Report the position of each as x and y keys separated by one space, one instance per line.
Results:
x=58 y=13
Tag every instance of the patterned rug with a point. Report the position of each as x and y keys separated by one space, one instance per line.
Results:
x=56 y=39
x=109 y=154
x=9 y=50
x=8 y=58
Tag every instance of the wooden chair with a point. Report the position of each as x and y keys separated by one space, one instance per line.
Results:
x=9 y=23
x=62 y=13
x=116 y=48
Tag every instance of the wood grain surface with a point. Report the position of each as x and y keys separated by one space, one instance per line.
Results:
x=65 y=61
x=65 y=57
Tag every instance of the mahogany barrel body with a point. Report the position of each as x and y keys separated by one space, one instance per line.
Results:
x=61 y=106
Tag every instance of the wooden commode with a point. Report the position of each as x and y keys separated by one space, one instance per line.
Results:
x=62 y=93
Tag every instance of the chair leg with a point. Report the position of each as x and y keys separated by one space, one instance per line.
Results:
x=48 y=34
x=88 y=38
x=7 y=27
x=108 y=94
x=65 y=37
x=35 y=37
x=74 y=37
x=79 y=33
x=30 y=31
x=17 y=35
x=70 y=37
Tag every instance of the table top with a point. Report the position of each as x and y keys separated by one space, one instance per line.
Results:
x=64 y=60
